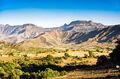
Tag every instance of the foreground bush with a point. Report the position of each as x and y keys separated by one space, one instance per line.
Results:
x=115 y=55
x=27 y=69
x=102 y=60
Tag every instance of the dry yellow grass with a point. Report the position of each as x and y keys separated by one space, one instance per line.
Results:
x=7 y=58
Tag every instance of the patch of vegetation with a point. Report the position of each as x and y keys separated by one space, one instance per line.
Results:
x=113 y=57
x=38 y=50
x=49 y=59
x=66 y=55
x=25 y=69
x=91 y=54
x=102 y=60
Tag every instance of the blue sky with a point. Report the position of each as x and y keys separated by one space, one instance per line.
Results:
x=53 y=13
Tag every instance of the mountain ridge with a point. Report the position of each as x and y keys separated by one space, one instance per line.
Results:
x=76 y=32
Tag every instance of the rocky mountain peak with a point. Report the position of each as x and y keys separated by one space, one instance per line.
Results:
x=82 y=25
x=29 y=24
x=85 y=23
x=76 y=31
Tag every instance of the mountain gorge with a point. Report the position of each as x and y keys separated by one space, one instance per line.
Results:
x=74 y=33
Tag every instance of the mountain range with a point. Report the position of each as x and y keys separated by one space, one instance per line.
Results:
x=74 y=33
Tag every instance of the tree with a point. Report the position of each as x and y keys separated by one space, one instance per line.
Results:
x=48 y=60
x=49 y=73
x=102 y=60
x=91 y=54
x=66 y=55
x=2 y=72
x=115 y=55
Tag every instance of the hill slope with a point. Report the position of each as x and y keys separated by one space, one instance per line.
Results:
x=18 y=33
x=74 y=33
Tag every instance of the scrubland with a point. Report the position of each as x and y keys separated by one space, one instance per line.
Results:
x=71 y=62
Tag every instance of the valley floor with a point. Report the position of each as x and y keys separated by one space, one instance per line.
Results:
x=76 y=62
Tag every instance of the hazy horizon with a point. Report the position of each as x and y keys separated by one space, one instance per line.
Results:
x=52 y=13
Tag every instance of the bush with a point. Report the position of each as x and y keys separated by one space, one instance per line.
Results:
x=34 y=75
x=2 y=72
x=66 y=55
x=25 y=75
x=66 y=50
x=91 y=54
x=102 y=60
x=86 y=55
x=49 y=73
x=26 y=69
x=48 y=60
x=63 y=73
x=51 y=60
x=115 y=55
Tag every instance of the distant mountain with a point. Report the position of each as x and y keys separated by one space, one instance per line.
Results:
x=19 y=32
x=108 y=34
x=80 y=26
x=58 y=38
x=74 y=33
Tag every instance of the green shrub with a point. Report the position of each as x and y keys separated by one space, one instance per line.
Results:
x=63 y=73
x=66 y=55
x=102 y=60
x=115 y=55
x=86 y=55
x=49 y=73
x=48 y=60
x=2 y=72
x=27 y=69
x=66 y=50
x=91 y=54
